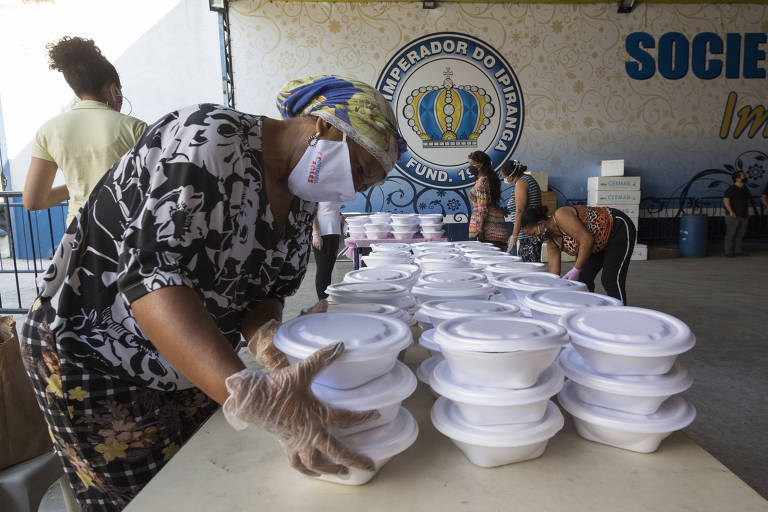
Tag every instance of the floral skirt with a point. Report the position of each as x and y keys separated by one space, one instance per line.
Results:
x=112 y=437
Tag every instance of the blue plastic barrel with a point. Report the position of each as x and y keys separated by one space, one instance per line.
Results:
x=693 y=236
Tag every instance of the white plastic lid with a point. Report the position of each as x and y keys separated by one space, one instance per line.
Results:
x=365 y=335
x=675 y=381
x=406 y=267
x=390 y=388
x=453 y=276
x=532 y=281
x=424 y=372
x=559 y=302
x=361 y=291
x=549 y=383
x=628 y=331
x=515 y=267
x=446 y=309
x=376 y=274
x=499 y=334
x=389 y=247
x=427 y=340
x=447 y=419
x=386 y=440
x=370 y=307
x=482 y=251
x=433 y=244
x=450 y=289
x=675 y=413
x=439 y=256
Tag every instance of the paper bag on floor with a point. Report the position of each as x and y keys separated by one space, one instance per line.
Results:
x=23 y=432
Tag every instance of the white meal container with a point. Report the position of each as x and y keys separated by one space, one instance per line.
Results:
x=513 y=267
x=376 y=291
x=622 y=340
x=357 y=221
x=434 y=261
x=440 y=251
x=407 y=267
x=384 y=394
x=381 y=274
x=472 y=243
x=405 y=221
x=499 y=351
x=386 y=258
x=438 y=311
x=357 y=234
x=430 y=218
x=370 y=307
x=377 y=226
x=444 y=276
x=483 y=260
x=409 y=228
x=496 y=445
x=518 y=286
x=427 y=366
x=371 y=344
x=380 y=217
x=635 y=432
x=425 y=292
x=380 y=444
x=427 y=340
x=477 y=252
x=550 y=305
x=636 y=394
x=483 y=405
x=390 y=247
x=378 y=235
x=404 y=236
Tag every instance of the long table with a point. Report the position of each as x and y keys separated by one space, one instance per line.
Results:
x=220 y=469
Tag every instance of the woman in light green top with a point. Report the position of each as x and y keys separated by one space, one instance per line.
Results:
x=87 y=140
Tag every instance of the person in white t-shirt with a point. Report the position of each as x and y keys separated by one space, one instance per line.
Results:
x=326 y=231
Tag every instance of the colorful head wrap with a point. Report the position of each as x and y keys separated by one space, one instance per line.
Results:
x=353 y=107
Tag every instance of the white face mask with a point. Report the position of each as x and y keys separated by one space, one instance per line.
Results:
x=324 y=173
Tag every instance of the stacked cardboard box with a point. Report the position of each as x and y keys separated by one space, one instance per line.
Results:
x=614 y=190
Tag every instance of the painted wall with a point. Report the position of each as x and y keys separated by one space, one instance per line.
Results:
x=581 y=104
x=166 y=51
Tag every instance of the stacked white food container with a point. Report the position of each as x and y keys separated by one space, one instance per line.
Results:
x=401 y=226
x=365 y=376
x=431 y=225
x=517 y=286
x=496 y=383
x=615 y=190
x=623 y=376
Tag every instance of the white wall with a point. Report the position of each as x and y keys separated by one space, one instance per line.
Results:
x=166 y=51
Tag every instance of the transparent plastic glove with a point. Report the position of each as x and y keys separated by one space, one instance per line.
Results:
x=317 y=241
x=282 y=403
x=573 y=274
x=512 y=245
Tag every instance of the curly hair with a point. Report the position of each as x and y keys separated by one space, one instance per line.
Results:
x=85 y=69
x=487 y=170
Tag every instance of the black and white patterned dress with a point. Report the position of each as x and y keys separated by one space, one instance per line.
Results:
x=186 y=206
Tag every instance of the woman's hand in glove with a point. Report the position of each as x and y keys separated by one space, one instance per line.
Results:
x=512 y=245
x=282 y=403
x=572 y=274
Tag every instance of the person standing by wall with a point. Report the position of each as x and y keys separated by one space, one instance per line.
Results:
x=87 y=140
x=736 y=200
x=326 y=230
x=526 y=193
x=487 y=222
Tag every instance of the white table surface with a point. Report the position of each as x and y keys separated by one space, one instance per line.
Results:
x=220 y=469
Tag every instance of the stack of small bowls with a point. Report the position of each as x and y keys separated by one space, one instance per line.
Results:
x=395 y=274
x=496 y=383
x=405 y=225
x=516 y=287
x=356 y=226
x=624 y=378
x=366 y=376
x=438 y=311
x=431 y=225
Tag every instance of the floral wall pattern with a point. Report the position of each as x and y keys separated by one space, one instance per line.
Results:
x=581 y=106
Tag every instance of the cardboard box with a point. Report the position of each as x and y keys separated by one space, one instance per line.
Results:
x=613 y=183
x=630 y=210
x=549 y=199
x=542 y=178
x=640 y=252
x=612 y=168
x=603 y=197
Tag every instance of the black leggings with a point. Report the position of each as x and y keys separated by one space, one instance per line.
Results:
x=325 y=259
x=614 y=259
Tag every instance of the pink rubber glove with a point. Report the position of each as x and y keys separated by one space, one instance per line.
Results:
x=573 y=274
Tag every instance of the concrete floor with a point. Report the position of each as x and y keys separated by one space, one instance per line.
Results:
x=724 y=301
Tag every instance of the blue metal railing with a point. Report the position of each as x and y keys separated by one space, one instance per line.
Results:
x=32 y=239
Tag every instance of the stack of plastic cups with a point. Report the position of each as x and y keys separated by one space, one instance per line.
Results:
x=496 y=383
x=624 y=378
x=365 y=376
x=438 y=311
